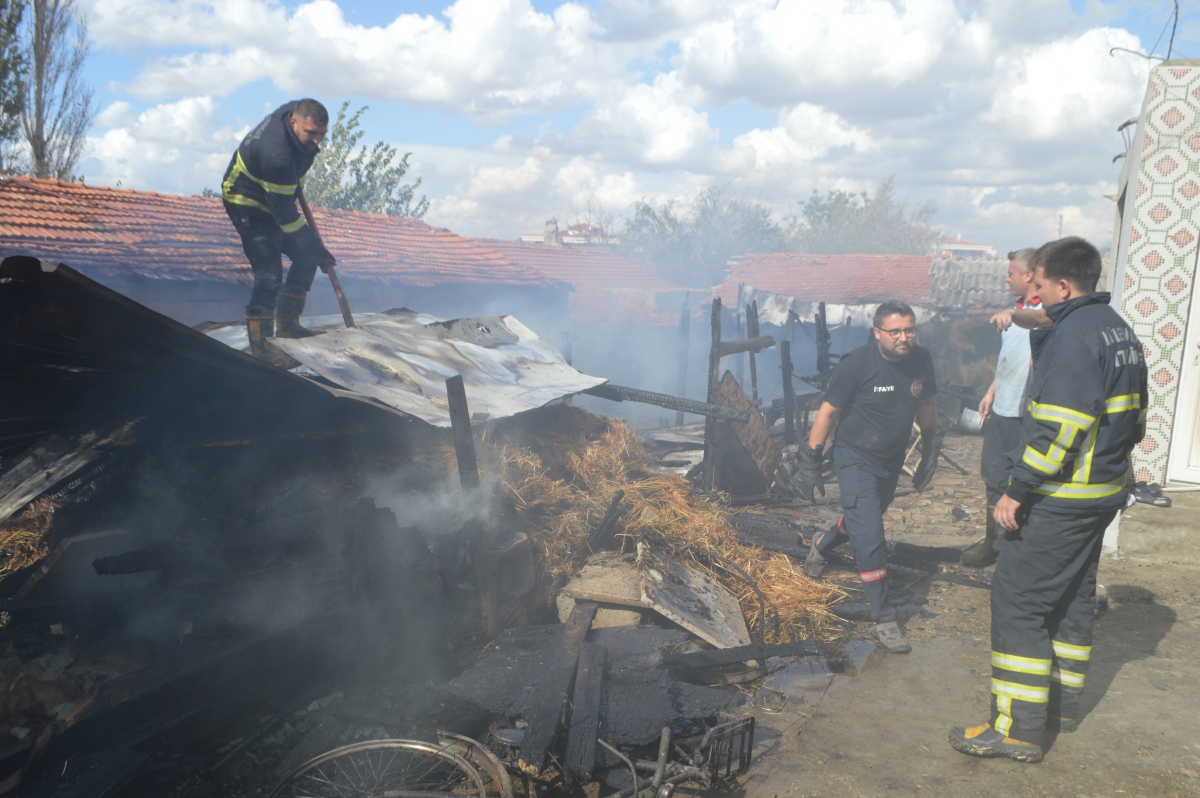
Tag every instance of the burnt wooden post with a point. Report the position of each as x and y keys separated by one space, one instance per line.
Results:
x=484 y=559
x=685 y=333
x=546 y=715
x=460 y=426
x=739 y=366
x=752 y=332
x=584 y=726
x=789 y=392
x=710 y=424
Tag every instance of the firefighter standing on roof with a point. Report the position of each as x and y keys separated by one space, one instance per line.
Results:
x=259 y=191
x=874 y=395
x=1086 y=409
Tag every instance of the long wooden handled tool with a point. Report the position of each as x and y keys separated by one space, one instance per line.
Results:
x=330 y=268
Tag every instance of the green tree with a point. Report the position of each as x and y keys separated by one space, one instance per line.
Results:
x=354 y=178
x=58 y=104
x=12 y=75
x=693 y=247
x=859 y=223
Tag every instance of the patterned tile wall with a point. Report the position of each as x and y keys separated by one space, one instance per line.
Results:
x=1161 y=261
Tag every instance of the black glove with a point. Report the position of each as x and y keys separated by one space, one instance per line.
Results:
x=325 y=259
x=931 y=448
x=809 y=479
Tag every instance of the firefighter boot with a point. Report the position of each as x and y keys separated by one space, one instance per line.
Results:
x=288 y=309
x=986 y=551
x=259 y=325
x=986 y=741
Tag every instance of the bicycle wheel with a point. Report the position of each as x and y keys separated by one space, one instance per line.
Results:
x=384 y=769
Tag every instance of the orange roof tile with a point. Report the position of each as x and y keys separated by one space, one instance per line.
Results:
x=119 y=232
x=837 y=279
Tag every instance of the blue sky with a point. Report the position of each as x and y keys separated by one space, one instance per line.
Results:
x=1005 y=113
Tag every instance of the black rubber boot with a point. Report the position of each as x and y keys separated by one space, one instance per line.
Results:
x=986 y=741
x=986 y=551
x=259 y=326
x=814 y=564
x=288 y=309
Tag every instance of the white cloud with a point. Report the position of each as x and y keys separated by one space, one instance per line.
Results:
x=1003 y=111
x=179 y=146
x=1067 y=87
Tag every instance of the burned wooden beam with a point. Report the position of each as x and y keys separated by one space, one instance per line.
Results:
x=602 y=536
x=710 y=425
x=484 y=559
x=789 y=393
x=584 y=727
x=726 y=348
x=547 y=715
x=620 y=393
x=460 y=425
x=729 y=656
x=752 y=333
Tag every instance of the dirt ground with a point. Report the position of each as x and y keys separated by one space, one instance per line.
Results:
x=883 y=731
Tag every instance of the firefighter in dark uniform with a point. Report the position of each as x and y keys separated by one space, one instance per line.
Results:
x=259 y=190
x=874 y=395
x=1086 y=409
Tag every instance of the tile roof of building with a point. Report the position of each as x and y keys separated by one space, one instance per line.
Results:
x=931 y=282
x=839 y=279
x=119 y=232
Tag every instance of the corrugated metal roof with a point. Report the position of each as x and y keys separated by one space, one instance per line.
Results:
x=968 y=283
x=119 y=232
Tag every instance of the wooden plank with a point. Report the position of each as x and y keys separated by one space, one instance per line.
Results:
x=725 y=348
x=710 y=426
x=584 y=728
x=728 y=656
x=608 y=580
x=789 y=393
x=546 y=718
x=752 y=332
x=460 y=426
x=694 y=600
x=753 y=435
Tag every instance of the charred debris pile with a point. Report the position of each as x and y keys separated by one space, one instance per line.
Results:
x=221 y=577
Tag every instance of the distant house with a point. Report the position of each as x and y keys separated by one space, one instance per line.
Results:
x=852 y=286
x=958 y=247
x=180 y=256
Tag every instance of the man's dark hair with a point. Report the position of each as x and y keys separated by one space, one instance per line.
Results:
x=308 y=108
x=891 y=308
x=1071 y=259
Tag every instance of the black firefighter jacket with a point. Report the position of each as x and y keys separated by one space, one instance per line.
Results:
x=1087 y=409
x=265 y=172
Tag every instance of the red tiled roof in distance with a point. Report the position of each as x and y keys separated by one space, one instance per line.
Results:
x=119 y=232
x=836 y=279
x=583 y=265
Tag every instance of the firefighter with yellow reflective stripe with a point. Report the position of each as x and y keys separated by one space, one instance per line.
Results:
x=1086 y=410
x=259 y=191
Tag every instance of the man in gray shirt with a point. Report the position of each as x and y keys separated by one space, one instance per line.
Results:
x=1003 y=404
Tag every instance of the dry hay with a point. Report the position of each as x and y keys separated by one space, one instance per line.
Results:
x=562 y=483
x=26 y=538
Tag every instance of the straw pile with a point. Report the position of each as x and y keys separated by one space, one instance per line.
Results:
x=26 y=538
x=562 y=476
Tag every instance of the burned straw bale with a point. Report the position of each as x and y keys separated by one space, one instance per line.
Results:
x=26 y=537
x=561 y=467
